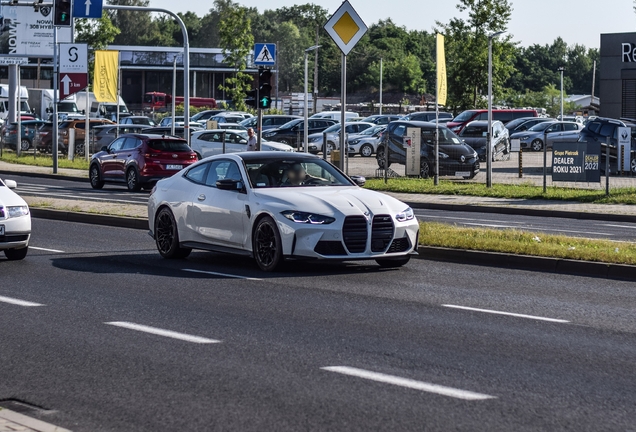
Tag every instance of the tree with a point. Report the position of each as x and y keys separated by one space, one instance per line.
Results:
x=237 y=43
x=136 y=28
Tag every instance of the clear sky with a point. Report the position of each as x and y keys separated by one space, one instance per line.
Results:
x=533 y=21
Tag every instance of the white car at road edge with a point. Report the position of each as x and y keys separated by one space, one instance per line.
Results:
x=15 y=222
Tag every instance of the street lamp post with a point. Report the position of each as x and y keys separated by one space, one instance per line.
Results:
x=489 y=141
x=561 y=69
x=306 y=110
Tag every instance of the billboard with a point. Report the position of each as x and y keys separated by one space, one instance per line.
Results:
x=576 y=162
x=25 y=32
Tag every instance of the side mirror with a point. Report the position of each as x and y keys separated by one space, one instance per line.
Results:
x=229 y=184
x=359 y=180
x=11 y=184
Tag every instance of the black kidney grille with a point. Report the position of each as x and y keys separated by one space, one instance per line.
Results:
x=330 y=247
x=1 y=212
x=399 y=245
x=355 y=233
x=381 y=232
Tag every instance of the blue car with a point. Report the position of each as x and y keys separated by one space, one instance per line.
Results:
x=29 y=129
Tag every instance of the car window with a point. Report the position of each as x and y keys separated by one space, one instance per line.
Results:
x=474 y=131
x=554 y=128
x=504 y=116
x=220 y=170
x=594 y=126
x=571 y=126
x=607 y=130
x=117 y=144
x=172 y=145
x=197 y=173
x=399 y=131
x=131 y=143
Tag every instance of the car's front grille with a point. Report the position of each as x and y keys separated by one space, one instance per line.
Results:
x=2 y=212
x=330 y=247
x=355 y=233
x=399 y=245
x=381 y=232
x=13 y=238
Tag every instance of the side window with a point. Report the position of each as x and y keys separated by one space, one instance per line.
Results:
x=222 y=169
x=571 y=126
x=607 y=130
x=131 y=143
x=117 y=144
x=197 y=173
x=553 y=128
x=594 y=126
x=399 y=131
x=504 y=116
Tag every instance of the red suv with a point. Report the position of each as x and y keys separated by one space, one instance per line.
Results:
x=139 y=160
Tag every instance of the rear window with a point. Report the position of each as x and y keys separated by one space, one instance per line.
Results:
x=465 y=116
x=169 y=145
x=607 y=130
x=474 y=131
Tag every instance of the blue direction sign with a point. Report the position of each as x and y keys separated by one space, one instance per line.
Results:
x=264 y=54
x=87 y=8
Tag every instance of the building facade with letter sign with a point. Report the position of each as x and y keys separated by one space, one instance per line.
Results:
x=617 y=74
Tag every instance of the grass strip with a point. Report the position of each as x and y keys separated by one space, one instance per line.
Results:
x=44 y=161
x=509 y=191
x=525 y=243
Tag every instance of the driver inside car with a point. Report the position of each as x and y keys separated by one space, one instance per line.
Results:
x=296 y=175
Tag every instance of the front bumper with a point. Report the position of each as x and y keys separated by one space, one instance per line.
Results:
x=17 y=232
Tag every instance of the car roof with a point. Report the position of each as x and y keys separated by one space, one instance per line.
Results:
x=418 y=123
x=481 y=122
x=152 y=136
x=275 y=155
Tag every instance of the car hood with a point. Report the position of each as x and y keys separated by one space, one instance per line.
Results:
x=274 y=146
x=9 y=198
x=475 y=142
x=328 y=200
x=517 y=135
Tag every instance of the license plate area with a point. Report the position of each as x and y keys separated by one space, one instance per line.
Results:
x=462 y=174
x=1 y=230
x=174 y=167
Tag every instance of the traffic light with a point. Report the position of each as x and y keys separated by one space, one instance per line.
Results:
x=62 y=13
x=264 y=88
x=251 y=98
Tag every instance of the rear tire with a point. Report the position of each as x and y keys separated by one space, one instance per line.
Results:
x=16 y=254
x=379 y=155
x=425 y=169
x=25 y=144
x=393 y=262
x=132 y=180
x=167 y=236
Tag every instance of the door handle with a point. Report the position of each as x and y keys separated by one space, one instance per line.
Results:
x=201 y=197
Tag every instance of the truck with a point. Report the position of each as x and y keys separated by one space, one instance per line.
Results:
x=41 y=102
x=4 y=101
x=161 y=102
x=107 y=110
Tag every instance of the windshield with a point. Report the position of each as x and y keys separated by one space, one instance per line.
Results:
x=68 y=107
x=113 y=109
x=465 y=116
x=333 y=128
x=250 y=122
x=540 y=126
x=446 y=137
x=474 y=131
x=372 y=130
x=269 y=173
x=291 y=124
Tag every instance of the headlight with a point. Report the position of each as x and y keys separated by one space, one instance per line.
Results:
x=354 y=142
x=315 y=139
x=443 y=155
x=524 y=138
x=405 y=215
x=474 y=154
x=17 y=211
x=268 y=135
x=308 y=218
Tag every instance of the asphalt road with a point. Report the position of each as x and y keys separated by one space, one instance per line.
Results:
x=620 y=231
x=320 y=347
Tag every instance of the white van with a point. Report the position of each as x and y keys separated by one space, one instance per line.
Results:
x=335 y=115
x=107 y=110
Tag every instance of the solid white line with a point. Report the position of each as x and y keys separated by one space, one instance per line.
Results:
x=506 y=313
x=45 y=249
x=222 y=274
x=619 y=226
x=488 y=225
x=162 y=332
x=409 y=383
x=18 y=302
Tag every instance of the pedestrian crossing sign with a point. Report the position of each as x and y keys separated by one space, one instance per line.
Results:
x=264 y=54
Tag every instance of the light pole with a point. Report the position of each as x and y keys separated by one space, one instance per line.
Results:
x=561 y=69
x=489 y=147
x=306 y=110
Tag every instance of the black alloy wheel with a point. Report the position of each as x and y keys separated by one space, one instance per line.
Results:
x=267 y=245
x=425 y=169
x=379 y=155
x=167 y=236
x=132 y=180
x=95 y=177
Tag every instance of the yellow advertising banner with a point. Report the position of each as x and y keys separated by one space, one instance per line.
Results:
x=106 y=76
x=441 y=71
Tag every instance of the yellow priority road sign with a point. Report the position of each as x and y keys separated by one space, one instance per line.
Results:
x=346 y=27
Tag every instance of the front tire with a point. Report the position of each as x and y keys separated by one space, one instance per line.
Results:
x=95 y=177
x=267 y=245
x=393 y=262
x=132 y=180
x=366 y=150
x=425 y=169
x=167 y=236
x=16 y=254
x=536 y=145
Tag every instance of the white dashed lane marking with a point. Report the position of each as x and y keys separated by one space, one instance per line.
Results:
x=163 y=332
x=222 y=274
x=18 y=302
x=409 y=383
x=45 y=249
x=516 y=315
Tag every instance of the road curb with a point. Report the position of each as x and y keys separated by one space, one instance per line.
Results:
x=21 y=422
x=90 y=218
x=529 y=262
x=609 y=217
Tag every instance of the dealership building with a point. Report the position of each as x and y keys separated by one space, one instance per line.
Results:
x=618 y=75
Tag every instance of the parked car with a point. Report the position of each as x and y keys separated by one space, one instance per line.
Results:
x=605 y=131
x=270 y=121
x=179 y=121
x=15 y=222
x=79 y=127
x=366 y=142
x=335 y=115
x=221 y=118
x=275 y=206
x=525 y=123
x=427 y=116
x=138 y=120
x=456 y=158
x=29 y=129
x=202 y=116
x=315 y=140
x=43 y=138
x=179 y=131
x=503 y=115
x=556 y=131
x=210 y=142
x=475 y=134
x=139 y=160
x=103 y=135
x=381 y=119
x=292 y=132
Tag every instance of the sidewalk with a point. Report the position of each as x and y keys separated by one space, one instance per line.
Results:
x=547 y=208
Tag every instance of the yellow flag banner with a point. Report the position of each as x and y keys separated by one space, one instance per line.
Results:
x=105 y=78
x=441 y=71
